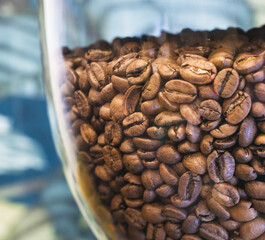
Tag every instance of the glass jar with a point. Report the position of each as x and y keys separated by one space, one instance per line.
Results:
x=157 y=109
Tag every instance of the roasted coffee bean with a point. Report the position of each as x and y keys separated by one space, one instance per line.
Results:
x=207 y=92
x=247 y=62
x=222 y=57
x=135 y=124
x=129 y=47
x=259 y=205
x=133 y=163
x=104 y=112
x=223 y=131
x=255 y=189
x=261 y=126
x=179 y=91
x=258 y=111
x=82 y=105
x=97 y=75
x=190 y=237
x=165 y=190
x=132 y=191
x=258 y=165
x=134 y=233
x=134 y=218
x=88 y=134
x=149 y=196
x=151 y=179
x=198 y=71
x=116 y=108
x=168 y=70
x=191 y=112
x=153 y=213
x=256 y=77
x=127 y=146
x=155 y=232
x=195 y=162
x=220 y=166
x=203 y=212
x=243 y=212
x=225 y=143
x=210 y=125
x=226 y=82
x=245 y=172
x=188 y=147
x=131 y=98
x=225 y=194
x=105 y=192
x=152 y=87
x=152 y=164
x=148 y=155
x=259 y=91
x=247 y=132
x=104 y=173
x=146 y=143
x=168 y=154
x=177 y=133
x=173 y=230
x=156 y=132
x=108 y=92
x=167 y=118
x=173 y=214
x=152 y=107
x=120 y=66
x=206 y=191
x=94 y=97
x=193 y=133
x=191 y=224
x=113 y=133
x=168 y=174
x=97 y=55
x=253 y=229
x=213 y=231
x=112 y=158
x=210 y=110
x=117 y=207
x=236 y=108
x=120 y=84
x=230 y=225
x=219 y=210
x=242 y=155
x=170 y=106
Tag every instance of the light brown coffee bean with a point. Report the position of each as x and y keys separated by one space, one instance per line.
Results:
x=252 y=229
x=152 y=87
x=131 y=98
x=243 y=212
x=195 y=162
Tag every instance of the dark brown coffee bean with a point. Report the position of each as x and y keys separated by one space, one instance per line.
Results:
x=198 y=71
x=82 y=105
x=97 y=75
x=133 y=163
x=259 y=205
x=256 y=77
x=213 y=231
x=127 y=146
x=173 y=214
x=247 y=132
x=129 y=47
x=219 y=210
x=245 y=172
x=222 y=57
x=120 y=84
x=151 y=179
x=97 y=55
x=247 y=62
x=207 y=92
x=206 y=191
x=117 y=207
x=88 y=134
x=132 y=191
x=255 y=189
x=225 y=194
x=134 y=233
x=94 y=97
x=120 y=65
x=243 y=212
x=173 y=230
x=177 y=133
x=168 y=70
x=261 y=126
x=190 y=237
x=226 y=82
x=236 y=108
x=230 y=225
x=188 y=147
x=210 y=125
x=152 y=164
x=242 y=155
x=108 y=92
x=104 y=173
x=153 y=213
x=134 y=218
x=170 y=106
x=258 y=165
x=151 y=88
x=168 y=154
x=179 y=168
x=224 y=131
x=112 y=158
x=191 y=224
x=225 y=143
x=210 y=110
x=191 y=112
x=193 y=133
x=156 y=132
x=152 y=107
x=167 y=118
x=116 y=108
x=147 y=155
x=135 y=124
x=252 y=229
x=179 y=91
x=168 y=174
x=221 y=166
x=146 y=143
x=203 y=212
x=260 y=139
x=195 y=162
x=131 y=98
x=258 y=111
x=165 y=190
x=155 y=232
x=259 y=91
x=149 y=196
x=105 y=192
x=113 y=133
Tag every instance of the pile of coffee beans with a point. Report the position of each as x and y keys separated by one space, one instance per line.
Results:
x=172 y=131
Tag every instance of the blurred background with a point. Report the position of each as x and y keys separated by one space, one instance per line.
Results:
x=35 y=201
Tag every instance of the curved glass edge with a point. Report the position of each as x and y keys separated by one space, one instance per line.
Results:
x=58 y=125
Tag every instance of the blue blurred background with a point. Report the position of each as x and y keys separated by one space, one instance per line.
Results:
x=35 y=201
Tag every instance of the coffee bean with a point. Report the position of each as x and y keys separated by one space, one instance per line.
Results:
x=153 y=213
x=152 y=107
x=82 y=105
x=104 y=173
x=112 y=158
x=247 y=132
x=135 y=124
x=132 y=191
x=220 y=166
x=210 y=125
x=127 y=146
x=222 y=58
x=258 y=111
x=168 y=154
x=97 y=75
x=151 y=179
x=261 y=126
x=156 y=132
x=188 y=147
x=225 y=143
x=168 y=174
x=165 y=190
x=170 y=106
x=224 y=131
x=203 y=212
x=226 y=82
x=167 y=118
x=259 y=91
x=245 y=172
x=152 y=87
x=236 y=108
x=191 y=224
x=173 y=214
x=134 y=218
x=230 y=225
x=210 y=110
x=255 y=189
x=173 y=230
x=242 y=155
x=155 y=232
x=190 y=237
x=149 y=196
x=193 y=133
x=225 y=194
x=259 y=205
x=120 y=84
x=134 y=233
x=213 y=231
x=133 y=163
x=179 y=91
x=177 y=133
x=258 y=165
x=108 y=92
x=168 y=70
x=219 y=210
x=116 y=108
x=121 y=64
x=88 y=134
x=113 y=133
x=97 y=55
x=243 y=212
x=207 y=92
x=198 y=71
x=256 y=77
x=94 y=97
x=131 y=98
x=146 y=143
x=252 y=229
x=195 y=162
x=191 y=112
x=146 y=155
